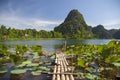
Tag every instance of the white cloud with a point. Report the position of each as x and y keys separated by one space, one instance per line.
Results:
x=10 y=19
x=46 y=23
x=108 y=24
x=112 y=24
x=23 y=23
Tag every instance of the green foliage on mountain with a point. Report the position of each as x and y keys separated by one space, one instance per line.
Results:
x=74 y=26
x=116 y=34
x=101 y=33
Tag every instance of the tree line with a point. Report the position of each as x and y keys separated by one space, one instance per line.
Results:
x=12 y=33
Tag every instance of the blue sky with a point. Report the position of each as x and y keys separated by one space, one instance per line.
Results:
x=46 y=14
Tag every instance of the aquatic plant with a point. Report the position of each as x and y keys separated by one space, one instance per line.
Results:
x=37 y=49
x=98 y=59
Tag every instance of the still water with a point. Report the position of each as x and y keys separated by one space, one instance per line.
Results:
x=53 y=45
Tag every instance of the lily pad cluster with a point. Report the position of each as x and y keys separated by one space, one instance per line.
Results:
x=21 y=63
x=3 y=70
x=35 y=68
x=97 y=61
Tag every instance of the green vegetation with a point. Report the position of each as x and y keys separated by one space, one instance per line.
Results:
x=21 y=60
x=73 y=27
x=96 y=61
x=27 y=34
x=101 y=33
x=37 y=49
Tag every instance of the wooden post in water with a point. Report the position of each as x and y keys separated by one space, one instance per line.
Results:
x=65 y=45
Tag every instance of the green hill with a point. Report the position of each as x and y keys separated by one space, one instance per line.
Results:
x=101 y=33
x=74 y=26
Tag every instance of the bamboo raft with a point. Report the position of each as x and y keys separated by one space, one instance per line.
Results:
x=61 y=68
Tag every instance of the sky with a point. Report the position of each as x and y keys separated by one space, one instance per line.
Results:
x=46 y=14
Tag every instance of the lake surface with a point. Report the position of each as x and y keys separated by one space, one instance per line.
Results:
x=53 y=45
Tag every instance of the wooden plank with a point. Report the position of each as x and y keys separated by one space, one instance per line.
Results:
x=54 y=75
x=67 y=77
x=58 y=77
x=60 y=70
x=66 y=61
x=71 y=77
x=63 y=77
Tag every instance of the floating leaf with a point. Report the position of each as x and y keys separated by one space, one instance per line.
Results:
x=116 y=64
x=3 y=71
x=92 y=77
x=91 y=69
x=20 y=66
x=44 y=68
x=88 y=54
x=53 y=57
x=112 y=58
x=18 y=71
x=27 y=62
x=101 y=69
x=36 y=72
x=81 y=63
x=33 y=64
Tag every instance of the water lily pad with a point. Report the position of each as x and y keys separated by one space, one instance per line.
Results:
x=44 y=68
x=36 y=72
x=81 y=63
x=53 y=57
x=3 y=71
x=108 y=68
x=24 y=64
x=91 y=76
x=18 y=71
x=116 y=64
x=20 y=66
x=91 y=69
x=29 y=69
x=27 y=62
x=101 y=69
x=36 y=57
x=33 y=64
x=88 y=54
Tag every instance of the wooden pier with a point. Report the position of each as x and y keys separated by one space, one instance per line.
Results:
x=61 y=68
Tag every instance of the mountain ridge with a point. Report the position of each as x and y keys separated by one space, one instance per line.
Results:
x=74 y=26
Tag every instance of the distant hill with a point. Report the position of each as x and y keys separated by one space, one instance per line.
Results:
x=101 y=33
x=74 y=26
x=116 y=33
